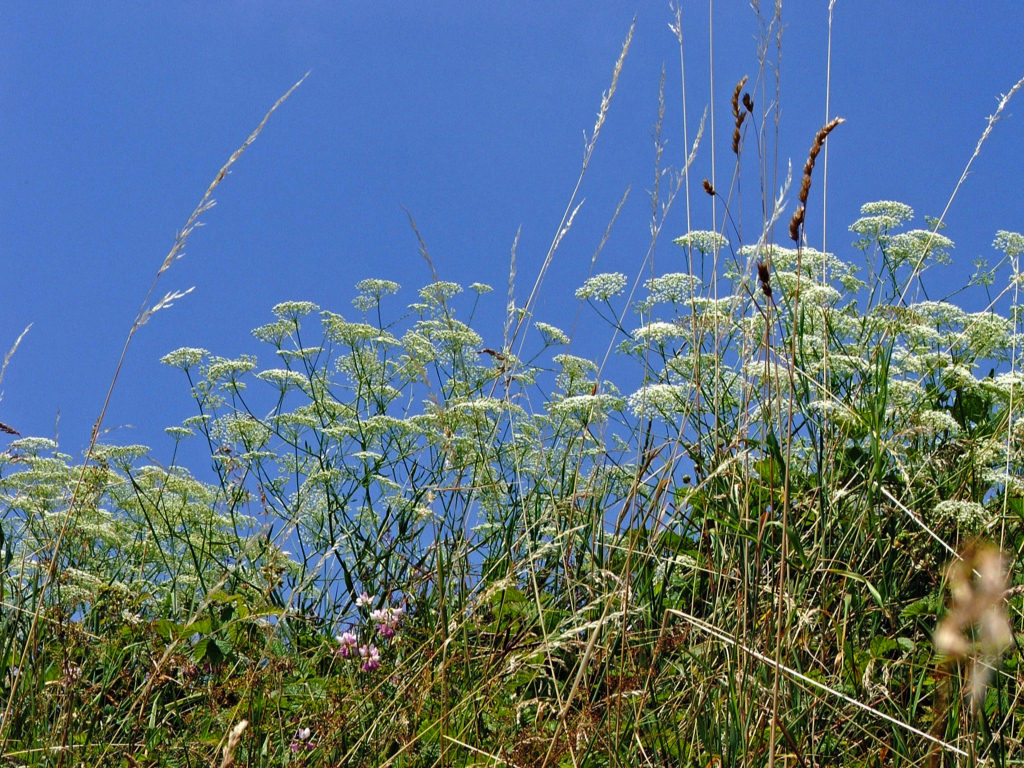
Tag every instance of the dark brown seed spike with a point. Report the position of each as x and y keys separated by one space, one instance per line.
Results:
x=736 y=97
x=794 y=224
x=805 y=183
x=764 y=278
x=739 y=116
x=819 y=140
x=748 y=103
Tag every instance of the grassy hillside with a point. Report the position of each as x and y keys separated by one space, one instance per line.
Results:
x=775 y=524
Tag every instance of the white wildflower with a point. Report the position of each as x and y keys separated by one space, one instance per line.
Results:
x=1010 y=243
x=584 y=407
x=935 y=422
x=703 y=241
x=293 y=310
x=184 y=357
x=274 y=333
x=376 y=287
x=969 y=514
x=656 y=400
x=674 y=287
x=552 y=336
x=439 y=292
x=881 y=216
x=602 y=287
x=659 y=333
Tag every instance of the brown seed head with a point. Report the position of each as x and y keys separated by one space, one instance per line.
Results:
x=805 y=183
x=736 y=97
x=795 y=223
x=819 y=140
x=738 y=115
x=764 y=278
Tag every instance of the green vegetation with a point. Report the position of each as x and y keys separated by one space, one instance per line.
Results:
x=725 y=543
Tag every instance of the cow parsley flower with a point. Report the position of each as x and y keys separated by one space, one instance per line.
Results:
x=274 y=333
x=586 y=408
x=659 y=333
x=880 y=216
x=703 y=241
x=966 y=513
x=574 y=376
x=293 y=310
x=439 y=292
x=184 y=357
x=656 y=400
x=552 y=336
x=376 y=287
x=283 y=379
x=674 y=287
x=1010 y=243
x=602 y=287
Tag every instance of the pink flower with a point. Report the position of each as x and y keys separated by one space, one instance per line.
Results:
x=387 y=620
x=347 y=641
x=370 y=656
x=364 y=600
x=303 y=740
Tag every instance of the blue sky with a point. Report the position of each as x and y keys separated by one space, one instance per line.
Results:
x=117 y=115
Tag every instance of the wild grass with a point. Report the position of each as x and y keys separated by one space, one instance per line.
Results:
x=753 y=533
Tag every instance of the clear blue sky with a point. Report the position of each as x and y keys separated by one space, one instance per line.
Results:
x=116 y=116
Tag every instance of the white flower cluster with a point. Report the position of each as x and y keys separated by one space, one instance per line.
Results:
x=674 y=288
x=293 y=310
x=880 y=216
x=439 y=292
x=658 y=400
x=376 y=287
x=917 y=245
x=1010 y=243
x=936 y=422
x=602 y=287
x=274 y=333
x=575 y=374
x=227 y=371
x=481 y=406
x=283 y=379
x=586 y=408
x=552 y=336
x=969 y=514
x=336 y=328
x=659 y=333
x=703 y=241
x=184 y=357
